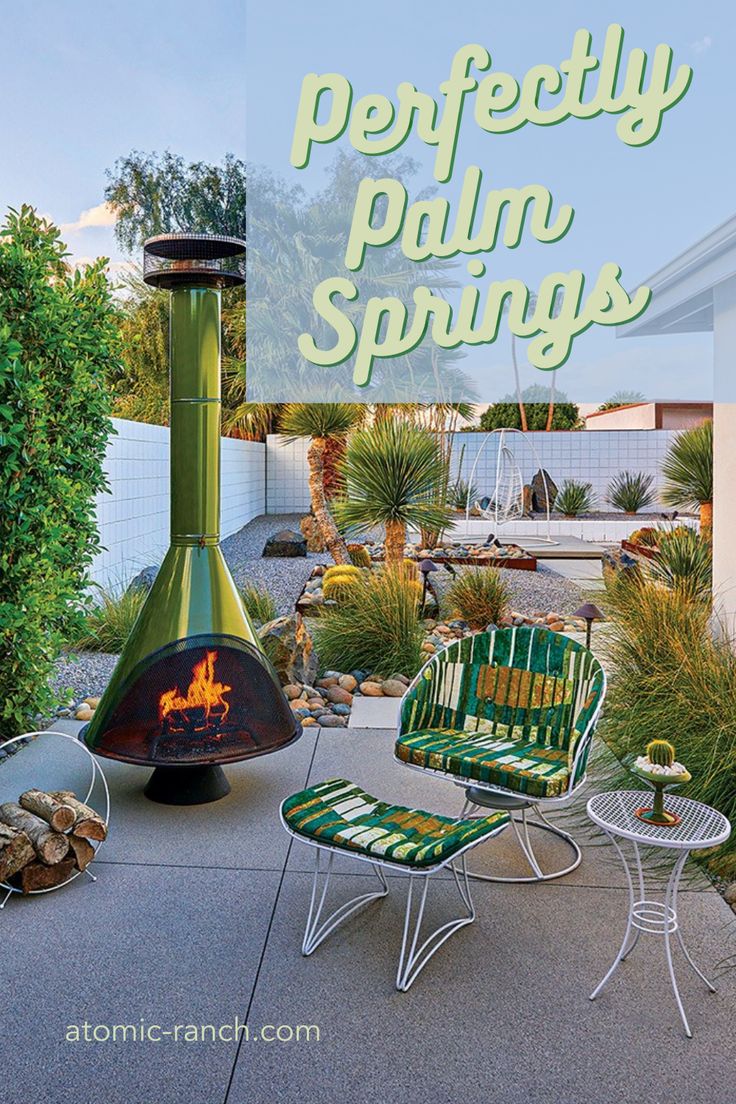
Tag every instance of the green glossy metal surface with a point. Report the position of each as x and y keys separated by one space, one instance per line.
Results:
x=194 y=592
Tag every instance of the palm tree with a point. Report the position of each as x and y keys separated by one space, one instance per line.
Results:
x=688 y=472
x=393 y=472
x=320 y=423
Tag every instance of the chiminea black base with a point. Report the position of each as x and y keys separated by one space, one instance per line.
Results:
x=187 y=785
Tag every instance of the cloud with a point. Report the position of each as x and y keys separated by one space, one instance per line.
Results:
x=701 y=44
x=101 y=215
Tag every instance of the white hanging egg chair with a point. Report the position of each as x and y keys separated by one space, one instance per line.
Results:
x=506 y=502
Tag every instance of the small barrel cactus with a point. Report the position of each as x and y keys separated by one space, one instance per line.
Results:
x=341 y=569
x=340 y=587
x=661 y=752
x=359 y=555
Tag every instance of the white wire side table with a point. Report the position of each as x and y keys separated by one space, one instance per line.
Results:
x=699 y=827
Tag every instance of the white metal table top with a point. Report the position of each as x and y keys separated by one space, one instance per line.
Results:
x=700 y=826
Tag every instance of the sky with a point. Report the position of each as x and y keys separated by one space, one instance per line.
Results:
x=83 y=83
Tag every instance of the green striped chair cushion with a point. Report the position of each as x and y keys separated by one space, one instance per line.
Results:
x=496 y=758
x=338 y=813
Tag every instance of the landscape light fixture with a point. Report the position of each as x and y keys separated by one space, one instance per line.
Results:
x=589 y=613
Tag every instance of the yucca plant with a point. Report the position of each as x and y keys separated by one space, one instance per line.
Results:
x=574 y=498
x=631 y=491
x=462 y=494
x=259 y=603
x=688 y=473
x=684 y=563
x=108 y=623
x=479 y=596
x=393 y=472
x=320 y=423
x=375 y=626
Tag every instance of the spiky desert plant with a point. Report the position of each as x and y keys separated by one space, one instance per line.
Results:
x=661 y=752
x=688 y=473
x=648 y=536
x=631 y=491
x=341 y=587
x=462 y=494
x=478 y=595
x=320 y=423
x=393 y=472
x=684 y=563
x=574 y=498
x=359 y=555
x=341 y=570
x=376 y=629
x=259 y=603
x=108 y=624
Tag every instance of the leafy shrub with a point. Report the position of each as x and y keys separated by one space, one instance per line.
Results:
x=684 y=563
x=359 y=555
x=506 y=415
x=259 y=603
x=669 y=675
x=462 y=494
x=108 y=624
x=479 y=596
x=57 y=345
x=376 y=629
x=631 y=491
x=574 y=498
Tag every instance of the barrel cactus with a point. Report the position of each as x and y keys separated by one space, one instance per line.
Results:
x=359 y=555
x=339 y=588
x=661 y=753
x=342 y=570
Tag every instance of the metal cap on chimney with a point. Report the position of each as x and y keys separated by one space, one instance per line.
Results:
x=207 y=260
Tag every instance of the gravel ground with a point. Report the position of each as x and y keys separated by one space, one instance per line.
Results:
x=87 y=673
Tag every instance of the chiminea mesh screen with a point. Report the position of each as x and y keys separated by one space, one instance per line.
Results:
x=207 y=699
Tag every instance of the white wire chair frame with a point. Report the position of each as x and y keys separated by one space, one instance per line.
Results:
x=503 y=799
x=96 y=776
x=412 y=959
x=507 y=502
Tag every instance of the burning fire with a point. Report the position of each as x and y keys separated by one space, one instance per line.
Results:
x=204 y=702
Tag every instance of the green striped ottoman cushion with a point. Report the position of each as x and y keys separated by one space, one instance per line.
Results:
x=525 y=767
x=338 y=813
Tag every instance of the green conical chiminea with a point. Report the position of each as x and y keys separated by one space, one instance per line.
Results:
x=193 y=688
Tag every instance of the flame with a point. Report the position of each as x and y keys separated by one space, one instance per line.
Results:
x=203 y=691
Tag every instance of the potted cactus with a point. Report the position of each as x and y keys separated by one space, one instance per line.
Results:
x=660 y=769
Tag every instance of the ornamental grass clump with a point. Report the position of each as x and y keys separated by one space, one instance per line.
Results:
x=574 y=498
x=374 y=627
x=668 y=675
x=631 y=491
x=108 y=624
x=479 y=596
x=259 y=603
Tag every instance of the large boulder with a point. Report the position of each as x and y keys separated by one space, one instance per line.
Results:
x=285 y=543
x=144 y=580
x=539 y=498
x=288 y=644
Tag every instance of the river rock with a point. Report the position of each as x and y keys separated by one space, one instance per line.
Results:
x=371 y=689
x=292 y=691
x=392 y=688
x=348 y=682
x=286 y=543
x=331 y=721
x=338 y=696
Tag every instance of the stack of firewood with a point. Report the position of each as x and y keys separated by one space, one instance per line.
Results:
x=45 y=837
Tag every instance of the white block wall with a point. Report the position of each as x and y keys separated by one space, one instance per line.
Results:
x=134 y=516
x=587 y=457
x=287 y=490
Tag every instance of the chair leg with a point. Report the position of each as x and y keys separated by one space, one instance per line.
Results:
x=521 y=828
x=315 y=933
x=412 y=960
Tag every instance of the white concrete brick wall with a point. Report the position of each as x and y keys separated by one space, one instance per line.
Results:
x=134 y=516
x=589 y=457
x=287 y=490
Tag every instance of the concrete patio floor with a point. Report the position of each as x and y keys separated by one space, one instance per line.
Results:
x=197 y=916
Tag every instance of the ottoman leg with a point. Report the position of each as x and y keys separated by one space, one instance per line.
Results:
x=412 y=960
x=316 y=932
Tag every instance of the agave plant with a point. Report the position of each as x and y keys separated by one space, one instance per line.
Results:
x=684 y=563
x=688 y=473
x=320 y=423
x=574 y=498
x=462 y=494
x=393 y=472
x=631 y=491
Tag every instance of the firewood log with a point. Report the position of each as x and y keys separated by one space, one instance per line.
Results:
x=60 y=816
x=89 y=823
x=84 y=852
x=16 y=851
x=51 y=847
x=39 y=876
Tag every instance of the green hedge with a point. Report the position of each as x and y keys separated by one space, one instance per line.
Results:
x=57 y=342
